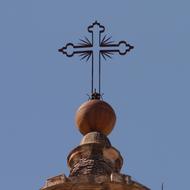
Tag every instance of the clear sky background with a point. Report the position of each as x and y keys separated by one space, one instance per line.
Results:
x=40 y=89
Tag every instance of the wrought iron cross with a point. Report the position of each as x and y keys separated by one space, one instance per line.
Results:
x=96 y=48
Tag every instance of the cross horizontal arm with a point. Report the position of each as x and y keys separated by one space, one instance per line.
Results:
x=70 y=49
x=122 y=48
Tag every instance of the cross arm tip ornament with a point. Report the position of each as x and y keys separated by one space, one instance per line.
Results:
x=122 y=47
x=96 y=26
x=68 y=50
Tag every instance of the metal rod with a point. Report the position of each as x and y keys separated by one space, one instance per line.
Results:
x=162 y=186
x=92 y=80
x=99 y=73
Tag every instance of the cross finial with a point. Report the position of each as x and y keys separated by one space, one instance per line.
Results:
x=96 y=48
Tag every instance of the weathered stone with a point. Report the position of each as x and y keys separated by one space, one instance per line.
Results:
x=56 y=180
x=96 y=138
x=117 y=177
x=101 y=179
x=88 y=182
x=128 y=179
x=97 y=157
x=94 y=165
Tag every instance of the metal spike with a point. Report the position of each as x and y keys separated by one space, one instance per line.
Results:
x=88 y=57
x=107 y=55
x=87 y=40
x=103 y=56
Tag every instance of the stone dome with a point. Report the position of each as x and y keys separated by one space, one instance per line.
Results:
x=95 y=115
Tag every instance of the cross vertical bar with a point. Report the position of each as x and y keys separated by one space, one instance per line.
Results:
x=92 y=80
x=99 y=73
x=96 y=53
x=100 y=61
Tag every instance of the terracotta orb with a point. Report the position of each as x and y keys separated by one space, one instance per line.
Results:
x=95 y=115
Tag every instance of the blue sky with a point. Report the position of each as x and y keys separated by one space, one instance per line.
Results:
x=41 y=89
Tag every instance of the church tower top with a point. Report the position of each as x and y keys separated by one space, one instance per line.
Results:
x=95 y=164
